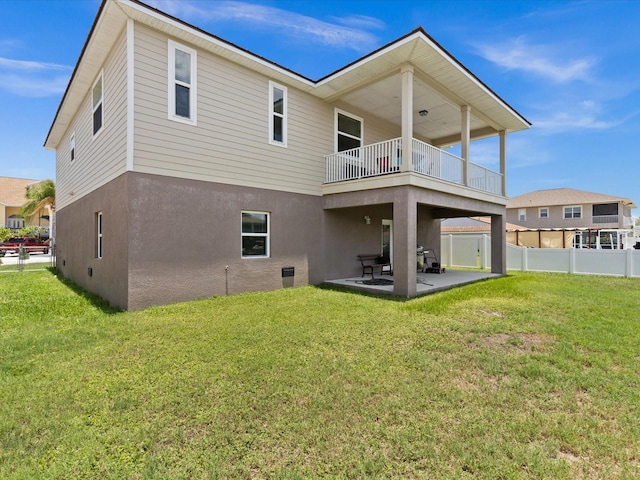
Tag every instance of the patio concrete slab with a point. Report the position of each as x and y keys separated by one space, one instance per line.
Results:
x=426 y=282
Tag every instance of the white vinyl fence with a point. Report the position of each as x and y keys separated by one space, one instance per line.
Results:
x=475 y=251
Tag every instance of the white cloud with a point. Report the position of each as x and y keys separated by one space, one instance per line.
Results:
x=564 y=121
x=27 y=78
x=360 y=21
x=287 y=23
x=485 y=152
x=33 y=86
x=540 y=60
x=29 y=65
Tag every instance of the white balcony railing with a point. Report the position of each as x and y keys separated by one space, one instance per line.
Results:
x=369 y=161
x=431 y=161
x=386 y=157
x=605 y=219
x=482 y=178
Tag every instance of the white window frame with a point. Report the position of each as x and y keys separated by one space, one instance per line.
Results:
x=572 y=207
x=15 y=222
x=522 y=214
x=337 y=133
x=545 y=210
x=266 y=235
x=99 y=230
x=72 y=147
x=95 y=105
x=192 y=85
x=272 y=114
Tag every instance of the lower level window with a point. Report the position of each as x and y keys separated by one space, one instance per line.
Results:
x=99 y=235
x=255 y=234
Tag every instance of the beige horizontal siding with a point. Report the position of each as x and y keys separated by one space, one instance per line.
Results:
x=230 y=143
x=99 y=159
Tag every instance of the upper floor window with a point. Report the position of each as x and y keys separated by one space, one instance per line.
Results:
x=278 y=114
x=573 y=212
x=182 y=83
x=348 y=131
x=599 y=209
x=522 y=214
x=255 y=234
x=543 y=212
x=98 y=100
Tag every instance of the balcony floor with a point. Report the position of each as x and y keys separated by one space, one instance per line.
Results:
x=426 y=283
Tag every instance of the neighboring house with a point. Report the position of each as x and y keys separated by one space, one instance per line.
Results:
x=189 y=167
x=12 y=197
x=585 y=219
x=516 y=234
x=471 y=225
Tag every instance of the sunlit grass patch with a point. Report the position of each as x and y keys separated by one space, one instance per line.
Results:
x=527 y=376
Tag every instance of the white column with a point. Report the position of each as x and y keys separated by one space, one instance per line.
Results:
x=407 y=118
x=503 y=161
x=465 y=138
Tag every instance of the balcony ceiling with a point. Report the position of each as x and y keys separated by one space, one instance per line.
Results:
x=442 y=124
x=442 y=85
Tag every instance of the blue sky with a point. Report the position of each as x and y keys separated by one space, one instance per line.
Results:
x=571 y=68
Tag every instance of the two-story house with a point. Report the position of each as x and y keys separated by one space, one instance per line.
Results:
x=585 y=218
x=189 y=167
x=13 y=193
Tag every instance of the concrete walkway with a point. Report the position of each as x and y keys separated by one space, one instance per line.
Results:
x=12 y=259
x=426 y=283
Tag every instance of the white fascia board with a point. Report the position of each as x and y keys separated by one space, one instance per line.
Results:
x=367 y=59
x=452 y=61
x=86 y=69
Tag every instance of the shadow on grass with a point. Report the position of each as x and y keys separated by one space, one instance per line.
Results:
x=363 y=293
x=96 y=301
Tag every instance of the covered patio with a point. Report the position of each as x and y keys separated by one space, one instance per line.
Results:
x=426 y=283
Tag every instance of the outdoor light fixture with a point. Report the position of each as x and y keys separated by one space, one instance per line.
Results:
x=367 y=219
x=423 y=113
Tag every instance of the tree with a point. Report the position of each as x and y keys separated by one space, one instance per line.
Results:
x=40 y=195
x=5 y=234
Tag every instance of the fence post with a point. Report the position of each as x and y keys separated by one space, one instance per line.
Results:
x=525 y=265
x=572 y=260
x=629 y=265
x=485 y=250
x=450 y=262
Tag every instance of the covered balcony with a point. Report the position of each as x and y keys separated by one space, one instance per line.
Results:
x=399 y=110
x=390 y=178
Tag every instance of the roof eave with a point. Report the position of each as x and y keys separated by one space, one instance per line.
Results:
x=339 y=80
x=85 y=71
x=116 y=12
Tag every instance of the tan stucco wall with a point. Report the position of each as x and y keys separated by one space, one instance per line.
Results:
x=76 y=242
x=185 y=233
x=168 y=240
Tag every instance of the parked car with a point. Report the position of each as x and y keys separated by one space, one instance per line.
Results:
x=31 y=244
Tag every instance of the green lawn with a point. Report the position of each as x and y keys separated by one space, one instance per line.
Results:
x=528 y=376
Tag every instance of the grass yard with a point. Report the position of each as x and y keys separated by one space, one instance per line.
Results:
x=528 y=376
